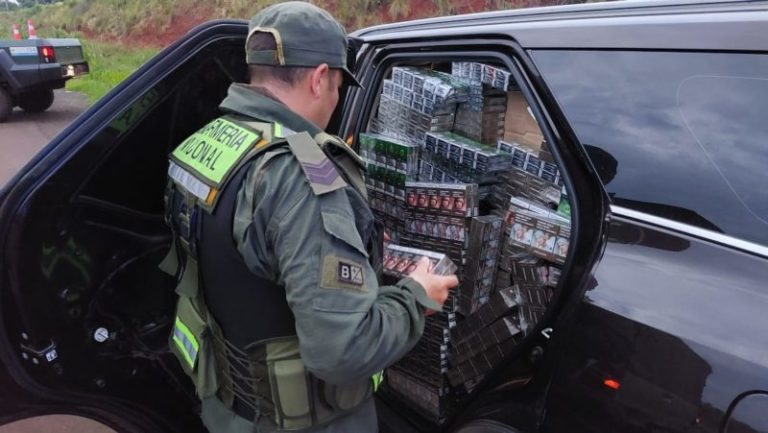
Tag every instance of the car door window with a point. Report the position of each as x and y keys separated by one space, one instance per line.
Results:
x=678 y=135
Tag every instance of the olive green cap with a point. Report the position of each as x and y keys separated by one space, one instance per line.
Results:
x=305 y=35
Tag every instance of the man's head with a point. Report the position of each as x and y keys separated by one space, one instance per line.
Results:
x=299 y=52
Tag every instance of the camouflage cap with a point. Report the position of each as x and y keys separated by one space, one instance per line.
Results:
x=305 y=35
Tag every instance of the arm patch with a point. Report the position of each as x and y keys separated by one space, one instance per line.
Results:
x=342 y=273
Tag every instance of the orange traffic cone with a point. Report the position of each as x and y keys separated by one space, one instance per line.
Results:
x=31 y=30
x=16 y=34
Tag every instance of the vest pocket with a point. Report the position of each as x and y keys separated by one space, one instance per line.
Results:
x=289 y=382
x=190 y=342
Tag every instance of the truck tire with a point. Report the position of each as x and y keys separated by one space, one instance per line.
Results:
x=36 y=101
x=6 y=105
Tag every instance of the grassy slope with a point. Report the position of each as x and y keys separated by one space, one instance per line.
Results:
x=110 y=64
x=119 y=35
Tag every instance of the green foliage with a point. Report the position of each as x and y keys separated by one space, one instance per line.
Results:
x=110 y=64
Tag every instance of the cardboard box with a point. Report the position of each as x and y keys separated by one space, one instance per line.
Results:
x=519 y=125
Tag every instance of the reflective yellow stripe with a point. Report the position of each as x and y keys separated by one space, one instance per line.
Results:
x=278 y=130
x=183 y=351
x=211 y=196
x=377 y=379
x=186 y=342
x=187 y=333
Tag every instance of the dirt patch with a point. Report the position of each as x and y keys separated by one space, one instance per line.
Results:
x=147 y=36
x=180 y=24
x=187 y=19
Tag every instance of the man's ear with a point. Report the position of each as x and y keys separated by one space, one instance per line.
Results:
x=316 y=78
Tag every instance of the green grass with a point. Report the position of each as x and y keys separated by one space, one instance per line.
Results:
x=110 y=64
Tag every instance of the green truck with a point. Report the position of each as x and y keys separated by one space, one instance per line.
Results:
x=30 y=69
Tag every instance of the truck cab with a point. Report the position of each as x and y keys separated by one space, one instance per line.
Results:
x=31 y=69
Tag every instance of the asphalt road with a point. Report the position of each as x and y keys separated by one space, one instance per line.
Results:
x=24 y=134
x=21 y=137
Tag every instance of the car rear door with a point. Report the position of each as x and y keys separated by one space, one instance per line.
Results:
x=503 y=403
x=668 y=337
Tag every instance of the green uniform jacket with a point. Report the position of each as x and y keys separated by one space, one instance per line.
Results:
x=348 y=327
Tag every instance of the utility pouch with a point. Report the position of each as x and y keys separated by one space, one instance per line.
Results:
x=192 y=343
x=290 y=384
x=300 y=399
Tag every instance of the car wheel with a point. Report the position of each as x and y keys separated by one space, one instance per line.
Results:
x=6 y=105
x=486 y=426
x=36 y=100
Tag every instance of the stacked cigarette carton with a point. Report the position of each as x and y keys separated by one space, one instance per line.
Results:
x=492 y=76
x=546 y=235
x=482 y=340
x=400 y=261
x=390 y=163
x=479 y=277
x=457 y=174
x=448 y=157
x=529 y=161
x=419 y=375
x=436 y=214
x=522 y=184
x=481 y=118
x=430 y=398
x=415 y=101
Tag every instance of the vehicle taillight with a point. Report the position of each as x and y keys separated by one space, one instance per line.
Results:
x=47 y=54
x=613 y=384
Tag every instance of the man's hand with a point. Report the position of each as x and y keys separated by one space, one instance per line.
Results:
x=436 y=286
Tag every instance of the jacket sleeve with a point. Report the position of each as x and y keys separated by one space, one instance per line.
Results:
x=348 y=326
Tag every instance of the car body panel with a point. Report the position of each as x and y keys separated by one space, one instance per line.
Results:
x=680 y=339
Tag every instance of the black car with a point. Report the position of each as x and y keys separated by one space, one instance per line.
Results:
x=653 y=115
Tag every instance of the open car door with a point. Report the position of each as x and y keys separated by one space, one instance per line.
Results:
x=84 y=311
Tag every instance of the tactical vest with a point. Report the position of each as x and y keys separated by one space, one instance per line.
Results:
x=249 y=361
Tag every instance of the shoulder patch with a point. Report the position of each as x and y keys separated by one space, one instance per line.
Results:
x=215 y=150
x=317 y=167
x=207 y=160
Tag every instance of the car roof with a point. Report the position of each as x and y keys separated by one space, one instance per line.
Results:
x=649 y=24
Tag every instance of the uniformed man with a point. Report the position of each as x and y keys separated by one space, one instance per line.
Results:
x=281 y=323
